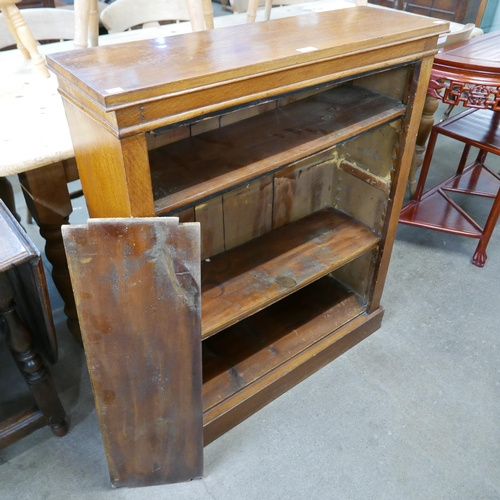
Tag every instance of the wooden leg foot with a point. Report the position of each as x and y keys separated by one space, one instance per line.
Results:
x=60 y=429
x=479 y=258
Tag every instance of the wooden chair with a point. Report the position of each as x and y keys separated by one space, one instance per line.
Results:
x=436 y=209
x=122 y=15
x=44 y=24
x=26 y=324
x=22 y=35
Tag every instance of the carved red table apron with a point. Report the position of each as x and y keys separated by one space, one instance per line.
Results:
x=467 y=73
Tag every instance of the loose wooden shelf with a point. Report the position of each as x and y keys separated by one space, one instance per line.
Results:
x=244 y=280
x=196 y=168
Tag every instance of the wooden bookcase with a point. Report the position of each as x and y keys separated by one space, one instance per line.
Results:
x=290 y=143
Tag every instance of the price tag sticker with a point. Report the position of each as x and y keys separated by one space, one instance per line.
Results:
x=307 y=49
x=116 y=90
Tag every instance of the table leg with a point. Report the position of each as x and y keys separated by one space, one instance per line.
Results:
x=47 y=197
x=424 y=130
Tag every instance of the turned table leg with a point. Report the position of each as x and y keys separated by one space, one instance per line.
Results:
x=47 y=198
x=29 y=361
x=424 y=130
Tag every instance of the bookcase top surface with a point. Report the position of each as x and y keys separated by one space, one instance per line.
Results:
x=115 y=75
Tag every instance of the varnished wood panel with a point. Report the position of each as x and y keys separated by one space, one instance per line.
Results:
x=115 y=180
x=209 y=163
x=244 y=280
x=248 y=211
x=273 y=47
x=137 y=288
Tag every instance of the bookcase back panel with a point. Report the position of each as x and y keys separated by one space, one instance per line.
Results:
x=393 y=83
x=374 y=152
x=357 y=275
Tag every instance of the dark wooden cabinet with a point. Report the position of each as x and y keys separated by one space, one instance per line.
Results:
x=292 y=151
x=459 y=11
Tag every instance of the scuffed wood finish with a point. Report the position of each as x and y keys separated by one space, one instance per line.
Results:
x=243 y=403
x=243 y=281
x=137 y=287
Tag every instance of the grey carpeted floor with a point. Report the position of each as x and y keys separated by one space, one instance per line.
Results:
x=410 y=413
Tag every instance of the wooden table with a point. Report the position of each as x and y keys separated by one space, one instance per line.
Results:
x=466 y=73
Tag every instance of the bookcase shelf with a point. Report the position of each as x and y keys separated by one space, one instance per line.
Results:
x=243 y=359
x=201 y=166
x=245 y=279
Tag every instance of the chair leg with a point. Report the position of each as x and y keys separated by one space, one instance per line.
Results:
x=253 y=5
x=479 y=258
x=463 y=159
x=267 y=11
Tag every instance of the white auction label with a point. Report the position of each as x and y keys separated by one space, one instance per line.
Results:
x=307 y=49
x=116 y=90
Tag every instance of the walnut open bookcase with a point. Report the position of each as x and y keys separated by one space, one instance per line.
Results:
x=289 y=142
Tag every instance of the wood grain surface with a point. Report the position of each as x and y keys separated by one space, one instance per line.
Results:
x=137 y=289
x=248 y=278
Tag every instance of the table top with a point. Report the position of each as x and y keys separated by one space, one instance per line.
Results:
x=468 y=73
x=478 y=57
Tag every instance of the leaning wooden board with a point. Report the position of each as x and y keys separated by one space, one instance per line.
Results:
x=289 y=142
